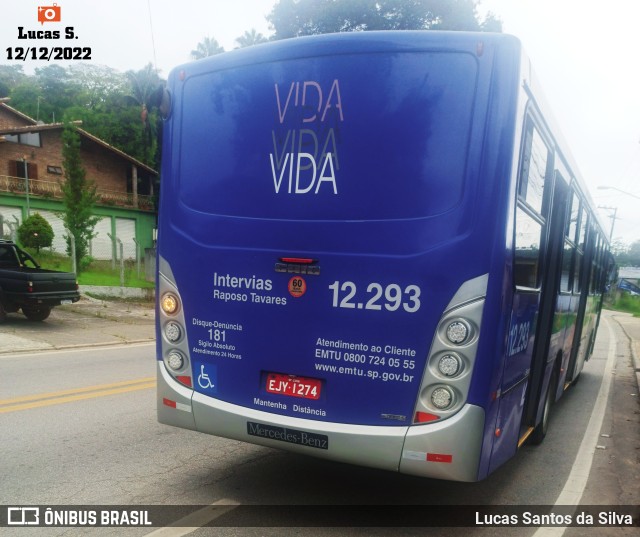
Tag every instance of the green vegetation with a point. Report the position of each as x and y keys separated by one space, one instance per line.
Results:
x=627 y=303
x=35 y=232
x=119 y=108
x=107 y=277
x=96 y=273
x=79 y=198
x=308 y=17
x=626 y=255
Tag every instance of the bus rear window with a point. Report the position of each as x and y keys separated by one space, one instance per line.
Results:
x=352 y=137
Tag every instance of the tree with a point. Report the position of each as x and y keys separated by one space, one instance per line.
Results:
x=116 y=107
x=145 y=89
x=79 y=196
x=27 y=97
x=207 y=47
x=46 y=95
x=294 y=18
x=251 y=38
x=10 y=77
x=98 y=84
x=35 y=232
x=634 y=254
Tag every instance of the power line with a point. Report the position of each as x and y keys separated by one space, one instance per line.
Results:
x=153 y=42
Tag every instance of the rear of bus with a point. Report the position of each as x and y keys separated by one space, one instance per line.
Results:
x=332 y=228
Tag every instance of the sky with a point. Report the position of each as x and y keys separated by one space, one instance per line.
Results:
x=584 y=52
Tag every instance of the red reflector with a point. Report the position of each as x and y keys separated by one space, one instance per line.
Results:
x=168 y=402
x=423 y=417
x=298 y=260
x=184 y=380
x=439 y=457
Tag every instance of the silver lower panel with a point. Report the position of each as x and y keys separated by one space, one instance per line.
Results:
x=402 y=449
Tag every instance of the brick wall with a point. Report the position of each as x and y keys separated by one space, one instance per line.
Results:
x=105 y=168
x=9 y=119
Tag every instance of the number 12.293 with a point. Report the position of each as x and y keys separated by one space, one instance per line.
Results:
x=392 y=297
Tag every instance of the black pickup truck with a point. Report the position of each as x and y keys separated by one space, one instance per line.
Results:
x=32 y=289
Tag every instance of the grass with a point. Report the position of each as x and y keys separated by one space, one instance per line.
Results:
x=627 y=303
x=112 y=279
x=97 y=272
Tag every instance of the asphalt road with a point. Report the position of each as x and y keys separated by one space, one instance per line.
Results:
x=78 y=427
x=86 y=323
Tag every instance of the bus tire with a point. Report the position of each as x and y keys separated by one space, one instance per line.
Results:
x=576 y=379
x=36 y=314
x=3 y=314
x=541 y=429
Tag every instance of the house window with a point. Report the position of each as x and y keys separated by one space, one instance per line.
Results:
x=25 y=138
x=55 y=170
x=22 y=169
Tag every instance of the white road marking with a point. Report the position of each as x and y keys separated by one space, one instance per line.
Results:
x=196 y=520
x=579 y=475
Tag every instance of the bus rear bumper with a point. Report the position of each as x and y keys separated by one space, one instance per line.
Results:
x=448 y=450
x=376 y=447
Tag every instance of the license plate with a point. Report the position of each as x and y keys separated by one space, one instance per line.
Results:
x=293 y=386
x=65 y=302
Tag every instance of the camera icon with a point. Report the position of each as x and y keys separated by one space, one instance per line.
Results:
x=49 y=13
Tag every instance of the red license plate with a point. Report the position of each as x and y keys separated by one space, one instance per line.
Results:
x=293 y=386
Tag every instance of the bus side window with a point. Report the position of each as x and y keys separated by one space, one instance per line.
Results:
x=568 y=257
x=595 y=264
x=531 y=212
x=527 y=251
x=580 y=269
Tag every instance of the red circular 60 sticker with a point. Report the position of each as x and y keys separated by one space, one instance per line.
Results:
x=297 y=286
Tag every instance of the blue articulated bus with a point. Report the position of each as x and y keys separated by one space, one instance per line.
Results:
x=373 y=248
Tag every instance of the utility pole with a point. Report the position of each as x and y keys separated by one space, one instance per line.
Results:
x=613 y=218
x=26 y=177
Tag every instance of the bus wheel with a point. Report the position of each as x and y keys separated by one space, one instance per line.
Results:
x=36 y=314
x=3 y=314
x=576 y=379
x=541 y=429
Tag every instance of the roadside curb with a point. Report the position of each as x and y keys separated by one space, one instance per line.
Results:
x=112 y=309
x=633 y=344
x=119 y=292
x=78 y=346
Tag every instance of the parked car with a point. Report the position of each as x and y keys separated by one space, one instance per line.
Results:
x=32 y=289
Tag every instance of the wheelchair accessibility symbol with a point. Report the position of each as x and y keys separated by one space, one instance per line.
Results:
x=205 y=381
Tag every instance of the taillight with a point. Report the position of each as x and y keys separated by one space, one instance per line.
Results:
x=173 y=331
x=458 y=332
x=446 y=380
x=442 y=397
x=175 y=348
x=175 y=360
x=450 y=365
x=169 y=303
x=425 y=417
